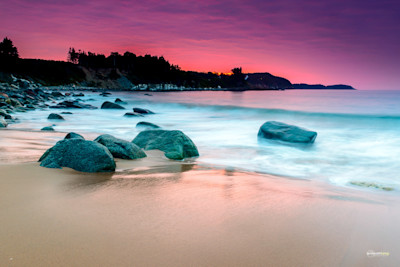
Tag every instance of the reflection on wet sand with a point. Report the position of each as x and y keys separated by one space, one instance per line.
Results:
x=157 y=212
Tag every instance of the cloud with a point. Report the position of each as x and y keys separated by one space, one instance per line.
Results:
x=261 y=34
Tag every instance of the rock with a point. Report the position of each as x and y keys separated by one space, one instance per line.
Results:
x=56 y=94
x=175 y=144
x=142 y=111
x=80 y=155
x=120 y=148
x=147 y=125
x=73 y=135
x=15 y=103
x=8 y=117
x=3 y=113
x=119 y=101
x=132 y=114
x=285 y=132
x=105 y=94
x=23 y=83
x=3 y=123
x=78 y=95
x=110 y=105
x=55 y=116
x=47 y=128
x=66 y=112
x=73 y=104
x=372 y=185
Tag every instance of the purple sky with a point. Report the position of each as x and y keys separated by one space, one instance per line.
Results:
x=355 y=42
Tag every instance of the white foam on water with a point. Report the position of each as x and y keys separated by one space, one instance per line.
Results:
x=358 y=140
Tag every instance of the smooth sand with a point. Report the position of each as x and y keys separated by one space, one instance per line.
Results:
x=157 y=212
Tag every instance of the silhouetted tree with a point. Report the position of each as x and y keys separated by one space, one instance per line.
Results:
x=8 y=53
x=7 y=49
x=238 y=77
x=73 y=56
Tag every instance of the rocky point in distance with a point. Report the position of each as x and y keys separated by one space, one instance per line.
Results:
x=128 y=72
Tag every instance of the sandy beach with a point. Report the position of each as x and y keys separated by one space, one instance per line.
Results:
x=158 y=212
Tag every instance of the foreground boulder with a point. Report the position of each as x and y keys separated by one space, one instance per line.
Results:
x=80 y=155
x=110 y=105
x=285 y=132
x=147 y=125
x=120 y=148
x=73 y=135
x=55 y=116
x=175 y=144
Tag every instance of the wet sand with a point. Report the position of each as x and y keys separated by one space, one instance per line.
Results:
x=157 y=212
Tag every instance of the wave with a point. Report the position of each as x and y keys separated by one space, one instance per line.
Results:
x=231 y=108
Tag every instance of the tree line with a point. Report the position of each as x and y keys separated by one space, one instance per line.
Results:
x=138 y=69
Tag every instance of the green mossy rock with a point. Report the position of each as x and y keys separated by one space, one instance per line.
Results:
x=285 y=132
x=175 y=144
x=120 y=148
x=80 y=155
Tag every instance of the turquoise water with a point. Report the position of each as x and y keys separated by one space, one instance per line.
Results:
x=358 y=131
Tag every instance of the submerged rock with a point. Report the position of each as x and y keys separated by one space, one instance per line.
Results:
x=175 y=144
x=372 y=185
x=110 y=105
x=80 y=155
x=147 y=125
x=73 y=104
x=56 y=94
x=73 y=135
x=118 y=100
x=133 y=114
x=47 y=128
x=105 y=94
x=285 y=132
x=120 y=148
x=78 y=94
x=55 y=116
x=142 y=111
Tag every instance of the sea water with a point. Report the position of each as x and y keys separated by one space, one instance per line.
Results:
x=358 y=131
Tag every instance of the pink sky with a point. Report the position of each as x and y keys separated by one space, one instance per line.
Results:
x=328 y=42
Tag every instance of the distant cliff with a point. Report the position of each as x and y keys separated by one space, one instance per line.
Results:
x=267 y=81
x=320 y=86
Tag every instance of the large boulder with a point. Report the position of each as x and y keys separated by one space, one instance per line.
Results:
x=175 y=144
x=110 y=105
x=73 y=135
x=55 y=116
x=120 y=148
x=80 y=155
x=285 y=132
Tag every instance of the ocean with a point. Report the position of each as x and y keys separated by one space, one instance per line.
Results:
x=358 y=131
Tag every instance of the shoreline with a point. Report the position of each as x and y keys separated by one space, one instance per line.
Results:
x=159 y=212
x=98 y=89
